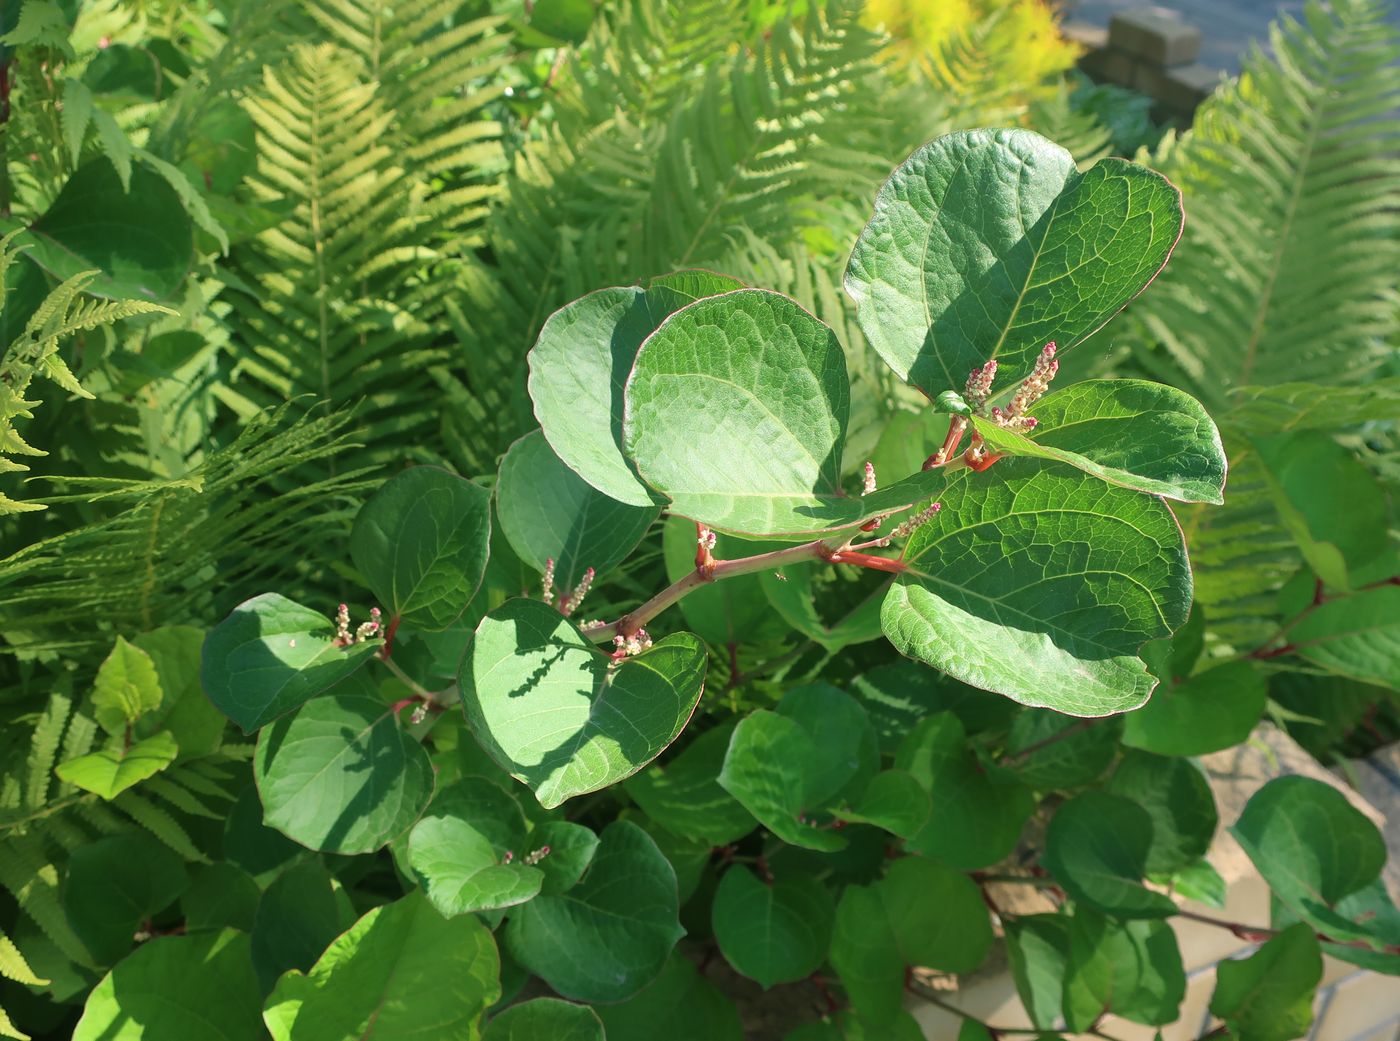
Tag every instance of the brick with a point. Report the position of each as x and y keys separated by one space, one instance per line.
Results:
x=1161 y=39
x=1108 y=66
x=1178 y=90
x=1088 y=35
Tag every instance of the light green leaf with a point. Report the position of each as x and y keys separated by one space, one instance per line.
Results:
x=1312 y=847
x=978 y=813
x=778 y=932
x=1266 y=411
x=469 y=850
x=610 y=935
x=1131 y=433
x=201 y=985
x=298 y=916
x=1132 y=969
x=562 y=717
x=1097 y=847
x=271 y=655
x=549 y=512
x=1269 y=995
x=1309 y=474
x=989 y=243
x=192 y=719
x=116 y=883
x=1354 y=635
x=401 y=971
x=421 y=542
x=40 y=23
x=545 y=1018
x=1200 y=882
x=341 y=775
x=579 y=365
x=1209 y=711
x=777 y=376
x=1177 y=796
x=893 y=800
x=111 y=771
x=75 y=116
x=684 y=795
x=1042 y=584
x=680 y=1006
x=127 y=687
x=1038 y=949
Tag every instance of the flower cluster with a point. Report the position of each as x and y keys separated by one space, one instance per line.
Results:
x=569 y=602
x=344 y=637
x=1031 y=390
x=630 y=645
x=979 y=386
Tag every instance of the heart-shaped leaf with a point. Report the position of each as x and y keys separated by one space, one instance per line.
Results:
x=271 y=655
x=303 y=910
x=1132 y=969
x=341 y=775
x=1130 y=433
x=684 y=796
x=111 y=771
x=1097 y=847
x=1214 y=709
x=893 y=800
x=127 y=687
x=545 y=1018
x=1269 y=995
x=777 y=932
x=548 y=512
x=1042 y=585
x=580 y=363
x=1354 y=636
x=421 y=542
x=620 y=922
x=469 y=850
x=989 y=243
x=116 y=883
x=564 y=718
x=769 y=768
x=736 y=411
x=681 y=1005
x=1177 y=796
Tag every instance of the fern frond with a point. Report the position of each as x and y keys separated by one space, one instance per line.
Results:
x=159 y=823
x=14 y=967
x=43 y=749
x=28 y=873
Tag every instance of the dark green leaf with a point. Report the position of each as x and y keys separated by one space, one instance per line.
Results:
x=684 y=795
x=898 y=695
x=303 y=910
x=1042 y=585
x=571 y=850
x=989 y=243
x=1269 y=995
x=680 y=1006
x=115 y=884
x=548 y=512
x=1211 y=710
x=1038 y=947
x=893 y=800
x=1097 y=847
x=401 y=971
x=1131 y=969
x=775 y=932
x=342 y=775
x=936 y=914
x=847 y=754
x=270 y=656
x=562 y=717
x=421 y=542
x=1177 y=796
x=865 y=955
x=796 y=596
x=610 y=935
x=1354 y=636
x=220 y=896
x=1044 y=760
x=545 y=1018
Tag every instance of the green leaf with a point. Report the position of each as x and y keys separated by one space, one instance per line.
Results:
x=1097 y=847
x=1311 y=845
x=893 y=800
x=1311 y=406
x=1354 y=635
x=977 y=813
x=561 y=716
x=116 y=883
x=1177 y=796
x=795 y=597
x=847 y=753
x=401 y=971
x=898 y=695
x=571 y=849
x=1200 y=882
x=1269 y=995
x=469 y=850
x=548 y=512
x=579 y=366
x=40 y=23
x=1131 y=433
x=681 y=1005
x=610 y=935
x=1211 y=710
x=192 y=719
x=865 y=956
x=777 y=932
x=778 y=377
x=271 y=655
x=1038 y=949
x=989 y=243
x=342 y=775
x=220 y=896
x=684 y=795
x=126 y=688
x=768 y=767
x=1042 y=585
x=1309 y=474
x=1043 y=759
x=75 y=116
x=545 y=1018
x=1131 y=969
x=111 y=771
x=140 y=240
x=734 y=610
x=251 y=845
x=303 y=910
x=421 y=542
x=201 y=985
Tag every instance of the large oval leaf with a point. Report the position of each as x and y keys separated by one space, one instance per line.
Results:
x=579 y=365
x=1041 y=584
x=271 y=655
x=1097 y=847
x=341 y=775
x=989 y=243
x=548 y=512
x=610 y=935
x=564 y=718
x=736 y=411
x=776 y=932
x=421 y=542
x=1128 y=432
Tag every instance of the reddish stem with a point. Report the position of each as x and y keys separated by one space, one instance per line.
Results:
x=389 y=637
x=869 y=561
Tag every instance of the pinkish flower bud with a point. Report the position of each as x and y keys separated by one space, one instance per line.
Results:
x=869 y=478
x=547 y=583
x=575 y=599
